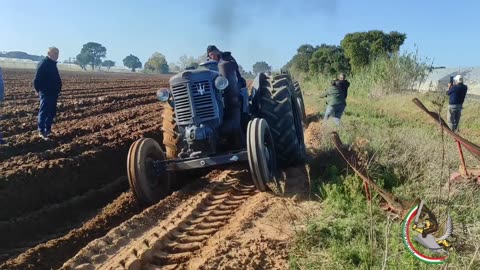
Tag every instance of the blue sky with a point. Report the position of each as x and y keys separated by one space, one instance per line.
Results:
x=444 y=31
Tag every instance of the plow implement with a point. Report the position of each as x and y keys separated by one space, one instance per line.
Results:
x=393 y=204
x=464 y=172
x=415 y=215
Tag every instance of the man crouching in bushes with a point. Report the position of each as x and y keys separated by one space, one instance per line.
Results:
x=336 y=102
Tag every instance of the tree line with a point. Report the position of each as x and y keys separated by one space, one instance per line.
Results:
x=92 y=54
x=355 y=52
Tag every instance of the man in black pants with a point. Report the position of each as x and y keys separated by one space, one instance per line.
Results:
x=48 y=85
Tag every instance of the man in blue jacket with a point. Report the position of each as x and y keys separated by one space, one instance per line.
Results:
x=457 y=93
x=48 y=85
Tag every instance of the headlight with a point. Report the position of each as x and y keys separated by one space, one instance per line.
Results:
x=221 y=83
x=163 y=94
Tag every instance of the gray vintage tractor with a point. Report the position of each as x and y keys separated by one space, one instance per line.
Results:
x=208 y=120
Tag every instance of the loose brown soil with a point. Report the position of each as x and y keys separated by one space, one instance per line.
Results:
x=73 y=188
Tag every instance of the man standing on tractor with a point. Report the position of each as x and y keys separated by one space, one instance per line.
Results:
x=215 y=54
x=457 y=93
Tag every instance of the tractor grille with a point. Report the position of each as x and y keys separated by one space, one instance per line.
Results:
x=201 y=107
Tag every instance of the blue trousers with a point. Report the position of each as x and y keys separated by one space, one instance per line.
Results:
x=335 y=111
x=453 y=116
x=48 y=110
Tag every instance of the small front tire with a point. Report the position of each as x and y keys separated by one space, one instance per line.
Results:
x=147 y=187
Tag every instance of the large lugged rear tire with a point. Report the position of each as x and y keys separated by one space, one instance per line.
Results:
x=301 y=103
x=280 y=109
x=261 y=153
x=147 y=188
x=171 y=136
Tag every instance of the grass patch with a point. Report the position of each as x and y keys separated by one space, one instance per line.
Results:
x=407 y=155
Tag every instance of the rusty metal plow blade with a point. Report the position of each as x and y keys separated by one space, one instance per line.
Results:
x=464 y=172
x=396 y=205
x=473 y=148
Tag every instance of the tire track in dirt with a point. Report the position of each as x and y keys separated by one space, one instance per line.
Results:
x=112 y=227
x=176 y=237
x=36 y=227
x=52 y=254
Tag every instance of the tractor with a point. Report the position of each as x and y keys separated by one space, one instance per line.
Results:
x=209 y=120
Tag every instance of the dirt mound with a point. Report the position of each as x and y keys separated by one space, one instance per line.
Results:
x=258 y=235
x=53 y=253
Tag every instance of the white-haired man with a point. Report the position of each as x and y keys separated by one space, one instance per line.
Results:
x=48 y=85
x=456 y=93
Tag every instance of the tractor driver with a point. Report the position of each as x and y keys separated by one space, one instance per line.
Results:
x=231 y=127
x=215 y=54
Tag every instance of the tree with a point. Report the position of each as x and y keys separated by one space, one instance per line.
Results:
x=187 y=61
x=300 y=61
x=202 y=58
x=245 y=75
x=108 y=64
x=328 y=60
x=260 y=67
x=92 y=54
x=157 y=63
x=82 y=61
x=361 y=47
x=132 y=62
x=174 y=67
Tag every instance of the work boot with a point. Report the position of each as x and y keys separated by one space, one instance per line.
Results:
x=42 y=135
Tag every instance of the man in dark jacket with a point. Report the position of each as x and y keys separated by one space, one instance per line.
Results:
x=336 y=102
x=457 y=93
x=215 y=54
x=48 y=85
x=343 y=84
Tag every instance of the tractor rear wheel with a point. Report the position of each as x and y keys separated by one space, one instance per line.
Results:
x=301 y=103
x=147 y=187
x=171 y=136
x=280 y=109
x=261 y=153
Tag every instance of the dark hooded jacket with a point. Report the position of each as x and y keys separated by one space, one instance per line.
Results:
x=457 y=94
x=47 y=79
x=227 y=56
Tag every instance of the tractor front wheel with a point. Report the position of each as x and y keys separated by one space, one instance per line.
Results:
x=261 y=153
x=144 y=181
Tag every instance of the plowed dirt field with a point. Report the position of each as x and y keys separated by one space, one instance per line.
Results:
x=65 y=202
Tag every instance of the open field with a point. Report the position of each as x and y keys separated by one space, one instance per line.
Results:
x=68 y=199
x=49 y=186
x=68 y=204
